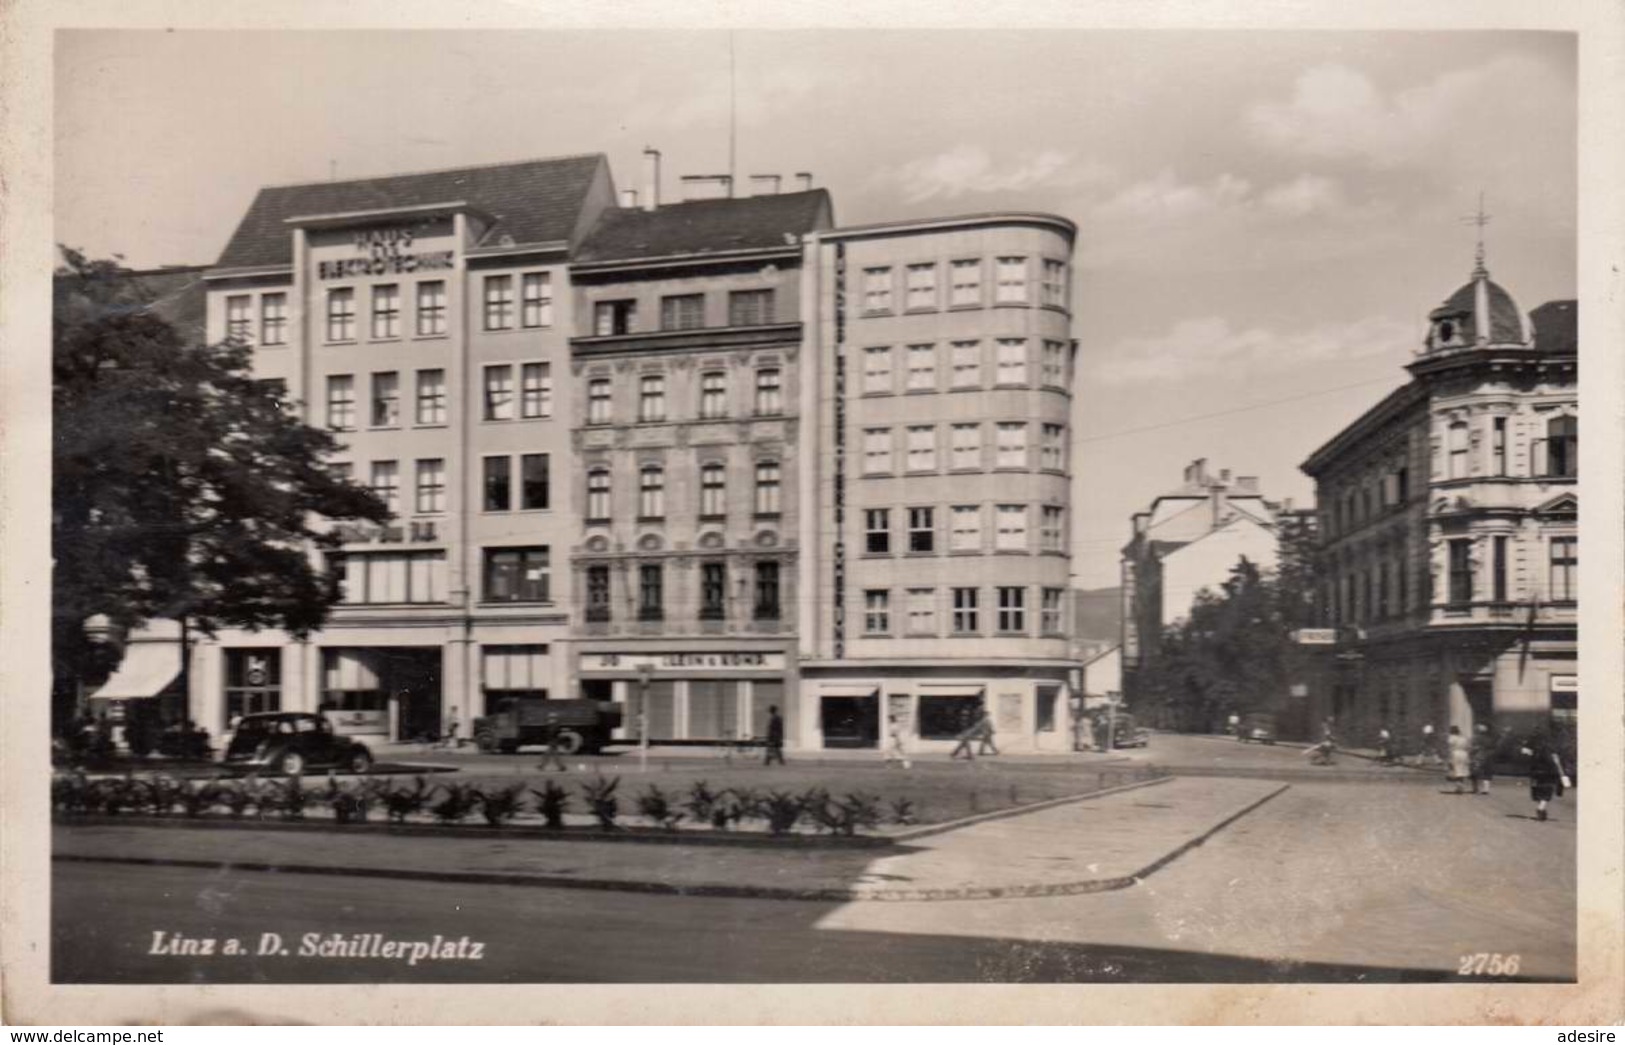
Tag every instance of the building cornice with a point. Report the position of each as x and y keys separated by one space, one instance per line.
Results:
x=1056 y=222
x=334 y=219
x=1368 y=424
x=670 y=261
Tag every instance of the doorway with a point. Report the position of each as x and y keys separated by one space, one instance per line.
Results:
x=851 y=722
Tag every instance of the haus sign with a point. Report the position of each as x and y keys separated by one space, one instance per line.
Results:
x=384 y=252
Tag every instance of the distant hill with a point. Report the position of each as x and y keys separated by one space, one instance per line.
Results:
x=1097 y=614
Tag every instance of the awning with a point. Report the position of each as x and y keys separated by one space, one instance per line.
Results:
x=146 y=671
x=946 y=689
x=849 y=689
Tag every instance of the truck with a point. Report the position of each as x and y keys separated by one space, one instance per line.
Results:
x=580 y=725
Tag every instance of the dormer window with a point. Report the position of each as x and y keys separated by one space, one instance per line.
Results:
x=1447 y=332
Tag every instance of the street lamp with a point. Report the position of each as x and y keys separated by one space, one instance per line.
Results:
x=644 y=671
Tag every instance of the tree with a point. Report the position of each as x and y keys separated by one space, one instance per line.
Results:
x=182 y=487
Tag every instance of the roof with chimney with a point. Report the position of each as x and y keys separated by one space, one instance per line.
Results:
x=700 y=227
x=531 y=201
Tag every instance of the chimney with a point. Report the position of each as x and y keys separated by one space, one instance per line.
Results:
x=765 y=184
x=1220 y=504
x=1196 y=471
x=651 y=178
x=1246 y=484
x=805 y=181
x=706 y=187
x=1224 y=476
x=629 y=198
x=1286 y=505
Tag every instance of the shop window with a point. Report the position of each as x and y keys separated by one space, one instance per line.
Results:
x=513 y=671
x=1044 y=709
x=945 y=718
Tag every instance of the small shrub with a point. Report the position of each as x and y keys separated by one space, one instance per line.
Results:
x=161 y=794
x=902 y=812
x=350 y=805
x=115 y=796
x=199 y=796
x=748 y=804
x=457 y=802
x=238 y=796
x=551 y=802
x=499 y=805
x=702 y=802
x=601 y=800
x=72 y=793
x=782 y=811
x=859 y=811
x=821 y=811
x=403 y=802
x=657 y=807
x=289 y=797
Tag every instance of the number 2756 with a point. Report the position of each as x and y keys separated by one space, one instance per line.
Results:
x=1488 y=965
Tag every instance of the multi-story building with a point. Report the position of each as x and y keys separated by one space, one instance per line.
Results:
x=937 y=402
x=1189 y=539
x=1448 y=522
x=425 y=319
x=686 y=371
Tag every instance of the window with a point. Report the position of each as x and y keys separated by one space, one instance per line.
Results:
x=750 y=308
x=713 y=491
x=498 y=483
x=769 y=396
x=767 y=590
x=341 y=314
x=253 y=682
x=386 y=399
x=1498 y=569
x=1012 y=445
x=713 y=395
x=513 y=671
x=431 y=485
x=922 y=448
x=1012 y=361
x=1055 y=364
x=498 y=302
x=516 y=574
x=536 y=390
x=1562 y=447
x=877 y=370
x=877 y=290
x=536 y=304
x=239 y=326
x=1565 y=578
x=386 y=311
x=713 y=590
x=598 y=593
x=767 y=488
x=877 y=529
x=1052 y=454
x=1498 y=444
x=922 y=611
x=1011 y=534
x=598 y=494
x=1461 y=571
x=966 y=535
x=651 y=592
x=964 y=620
x=614 y=317
x=682 y=312
x=876 y=611
x=922 y=286
x=273 y=319
x=967 y=282
x=877 y=451
x=534 y=482
x=1054 y=286
x=922 y=368
x=431 y=397
x=967 y=446
x=598 y=401
x=652 y=397
x=386 y=483
x=1051 y=533
x=1013 y=610
x=341 y=402
x=431 y=308
x=342 y=470
x=389 y=577
x=1012 y=281
x=967 y=364
x=1458 y=450
x=922 y=530
x=1049 y=611
x=499 y=393
x=652 y=492
x=1402 y=485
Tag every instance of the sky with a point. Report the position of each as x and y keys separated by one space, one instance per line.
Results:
x=1265 y=217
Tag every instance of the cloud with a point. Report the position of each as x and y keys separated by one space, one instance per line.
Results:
x=1165 y=198
x=1209 y=345
x=970 y=169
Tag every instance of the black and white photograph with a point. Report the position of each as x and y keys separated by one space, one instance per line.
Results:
x=801 y=505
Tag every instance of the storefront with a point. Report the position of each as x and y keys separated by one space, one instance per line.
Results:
x=691 y=696
x=392 y=692
x=1030 y=712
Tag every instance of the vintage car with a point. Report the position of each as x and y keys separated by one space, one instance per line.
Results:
x=1257 y=727
x=292 y=742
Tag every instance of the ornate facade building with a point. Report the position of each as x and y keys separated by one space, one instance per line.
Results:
x=1448 y=519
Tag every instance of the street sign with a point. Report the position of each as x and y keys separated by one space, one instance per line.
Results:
x=1315 y=636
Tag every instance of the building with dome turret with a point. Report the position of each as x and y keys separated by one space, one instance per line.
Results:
x=1448 y=518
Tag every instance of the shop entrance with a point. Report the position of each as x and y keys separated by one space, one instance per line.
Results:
x=365 y=689
x=851 y=722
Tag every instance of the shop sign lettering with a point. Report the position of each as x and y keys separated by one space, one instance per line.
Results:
x=676 y=660
x=384 y=252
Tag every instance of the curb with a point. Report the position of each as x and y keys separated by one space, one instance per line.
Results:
x=926 y=830
x=847 y=894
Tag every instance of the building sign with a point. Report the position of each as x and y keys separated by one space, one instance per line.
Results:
x=1565 y=683
x=384 y=252
x=750 y=660
x=1315 y=636
x=416 y=532
x=839 y=600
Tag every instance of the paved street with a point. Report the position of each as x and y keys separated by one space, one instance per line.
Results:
x=1359 y=872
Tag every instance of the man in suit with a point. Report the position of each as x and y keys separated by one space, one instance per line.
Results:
x=775 y=737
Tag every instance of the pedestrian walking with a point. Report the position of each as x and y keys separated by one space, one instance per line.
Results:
x=1321 y=753
x=895 y=752
x=775 y=737
x=1482 y=759
x=1385 y=746
x=1547 y=777
x=1460 y=758
x=984 y=734
x=553 y=761
x=454 y=726
x=1430 y=745
x=1233 y=725
x=967 y=737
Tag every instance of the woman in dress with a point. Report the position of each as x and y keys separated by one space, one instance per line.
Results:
x=1547 y=778
x=1460 y=758
x=1482 y=757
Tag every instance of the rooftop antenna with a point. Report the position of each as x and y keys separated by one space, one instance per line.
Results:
x=1480 y=219
x=732 y=113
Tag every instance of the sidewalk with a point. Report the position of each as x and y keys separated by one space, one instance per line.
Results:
x=1089 y=845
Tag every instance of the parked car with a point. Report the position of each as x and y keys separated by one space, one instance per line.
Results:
x=1257 y=727
x=292 y=742
x=1129 y=733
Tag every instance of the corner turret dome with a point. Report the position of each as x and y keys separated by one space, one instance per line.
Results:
x=1480 y=313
